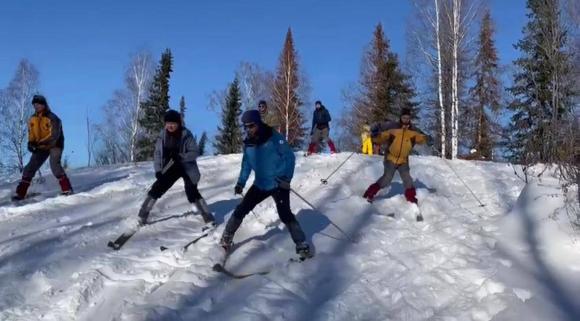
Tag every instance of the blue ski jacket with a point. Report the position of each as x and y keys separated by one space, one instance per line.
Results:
x=270 y=157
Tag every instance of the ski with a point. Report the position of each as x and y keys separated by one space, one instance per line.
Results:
x=30 y=198
x=205 y=231
x=122 y=239
x=419 y=217
x=390 y=214
x=221 y=268
x=300 y=259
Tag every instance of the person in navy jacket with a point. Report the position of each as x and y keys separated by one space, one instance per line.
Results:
x=320 y=129
x=268 y=154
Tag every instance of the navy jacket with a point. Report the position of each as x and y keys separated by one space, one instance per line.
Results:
x=321 y=118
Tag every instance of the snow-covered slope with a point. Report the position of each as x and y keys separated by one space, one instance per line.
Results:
x=506 y=260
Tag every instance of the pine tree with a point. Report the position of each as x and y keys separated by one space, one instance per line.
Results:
x=182 y=109
x=383 y=89
x=486 y=91
x=387 y=87
x=542 y=87
x=154 y=107
x=202 y=143
x=285 y=94
x=229 y=137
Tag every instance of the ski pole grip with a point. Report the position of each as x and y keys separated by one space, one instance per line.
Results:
x=168 y=166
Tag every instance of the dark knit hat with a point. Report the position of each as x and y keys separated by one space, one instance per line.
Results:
x=318 y=102
x=406 y=111
x=39 y=99
x=172 y=116
x=263 y=102
x=251 y=116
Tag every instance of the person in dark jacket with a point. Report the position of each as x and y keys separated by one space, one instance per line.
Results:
x=175 y=157
x=45 y=140
x=268 y=154
x=320 y=128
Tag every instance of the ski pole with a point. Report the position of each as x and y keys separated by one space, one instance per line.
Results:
x=324 y=181
x=446 y=161
x=331 y=222
x=168 y=166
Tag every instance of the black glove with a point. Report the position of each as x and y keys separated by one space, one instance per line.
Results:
x=375 y=131
x=158 y=175
x=283 y=183
x=238 y=189
x=175 y=156
x=32 y=147
x=430 y=140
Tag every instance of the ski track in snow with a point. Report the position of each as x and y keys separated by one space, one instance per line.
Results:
x=456 y=265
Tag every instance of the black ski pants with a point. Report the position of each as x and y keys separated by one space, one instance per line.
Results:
x=164 y=183
x=255 y=196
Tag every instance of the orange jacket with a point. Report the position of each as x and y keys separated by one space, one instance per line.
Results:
x=401 y=141
x=45 y=130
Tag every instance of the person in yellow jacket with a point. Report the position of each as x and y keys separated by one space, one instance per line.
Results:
x=269 y=117
x=400 y=142
x=45 y=139
x=367 y=143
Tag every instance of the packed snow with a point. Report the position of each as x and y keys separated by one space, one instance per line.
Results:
x=509 y=251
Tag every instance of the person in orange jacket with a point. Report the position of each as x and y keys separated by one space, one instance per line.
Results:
x=400 y=142
x=45 y=139
x=365 y=136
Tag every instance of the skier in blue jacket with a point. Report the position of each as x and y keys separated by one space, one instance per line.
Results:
x=268 y=154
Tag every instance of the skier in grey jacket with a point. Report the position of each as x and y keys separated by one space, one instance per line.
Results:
x=175 y=157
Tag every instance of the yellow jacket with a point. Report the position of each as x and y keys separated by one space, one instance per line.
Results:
x=401 y=141
x=366 y=132
x=45 y=130
x=271 y=119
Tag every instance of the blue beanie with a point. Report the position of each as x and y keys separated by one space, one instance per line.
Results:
x=251 y=116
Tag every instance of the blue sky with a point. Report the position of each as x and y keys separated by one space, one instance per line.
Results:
x=81 y=48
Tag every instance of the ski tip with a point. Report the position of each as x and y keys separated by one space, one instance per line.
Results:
x=218 y=267
x=209 y=225
x=419 y=218
x=162 y=248
x=113 y=245
x=391 y=215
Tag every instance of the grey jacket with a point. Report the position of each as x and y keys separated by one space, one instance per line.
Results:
x=188 y=151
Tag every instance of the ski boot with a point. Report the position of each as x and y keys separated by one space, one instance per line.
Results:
x=65 y=185
x=21 y=189
x=202 y=207
x=227 y=242
x=145 y=209
x=371 y=192
x=303 y=251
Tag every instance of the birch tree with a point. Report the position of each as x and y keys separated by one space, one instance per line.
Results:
x=16 y=110
x=255 y=84
x=138 y=78
x=442 y=32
